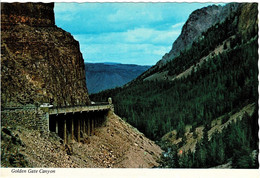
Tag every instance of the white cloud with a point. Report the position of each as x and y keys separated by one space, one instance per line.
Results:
x=138 y=36
x=141 y=45
x=152 y=35
x=161 y=50
x=145 y=54
x=138 y=12
x=178 y=25
x=166 y=37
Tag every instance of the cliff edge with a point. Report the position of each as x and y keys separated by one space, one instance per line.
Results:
x=40 y=62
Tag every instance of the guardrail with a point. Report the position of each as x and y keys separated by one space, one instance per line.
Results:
x=65 y=110
x=54 y=107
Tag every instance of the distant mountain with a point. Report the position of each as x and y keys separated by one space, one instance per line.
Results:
x=198 y=22
x=102 y=76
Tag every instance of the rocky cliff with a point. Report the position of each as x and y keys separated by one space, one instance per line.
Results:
x=248 y=21
x=198 y=22
x=40 y=62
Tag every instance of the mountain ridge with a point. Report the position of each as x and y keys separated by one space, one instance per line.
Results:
x=102 y=76
x=199 y=21
x=192 y=30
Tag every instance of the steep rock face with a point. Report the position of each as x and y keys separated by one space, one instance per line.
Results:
x=40 y=62
x=248 y=21
x=33 y=14
x=199 y=21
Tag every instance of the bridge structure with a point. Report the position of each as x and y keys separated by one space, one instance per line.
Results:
x=72 y=123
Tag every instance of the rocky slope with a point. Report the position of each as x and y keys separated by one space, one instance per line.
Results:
x=248 y=23
x=40 y=62
x=116 y=144
x=198 y=22
x=102 y=76
x=195 y=28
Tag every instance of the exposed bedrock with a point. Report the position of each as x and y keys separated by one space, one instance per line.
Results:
x=40 y=62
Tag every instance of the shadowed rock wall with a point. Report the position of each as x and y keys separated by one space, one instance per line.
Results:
x=39 y=61
x=33 y=14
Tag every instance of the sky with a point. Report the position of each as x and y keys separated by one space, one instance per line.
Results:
x=128 y=33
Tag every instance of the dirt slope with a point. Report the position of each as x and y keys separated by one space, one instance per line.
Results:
x=116 y=144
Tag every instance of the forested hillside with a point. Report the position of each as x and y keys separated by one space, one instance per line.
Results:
x=220 y=82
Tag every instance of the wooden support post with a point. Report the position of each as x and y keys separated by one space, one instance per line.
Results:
x=65 y=132
x=57 y=126
x=84 y=125
x=88 y=126
x=78 y=130
x=48 y=121
x=92 y=126
x=94 y=122
x=99 y=121
x=72 y=129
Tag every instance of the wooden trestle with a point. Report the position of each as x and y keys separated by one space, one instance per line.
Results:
x=71 y=123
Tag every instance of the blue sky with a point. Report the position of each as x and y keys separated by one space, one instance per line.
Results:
x=129 y=33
